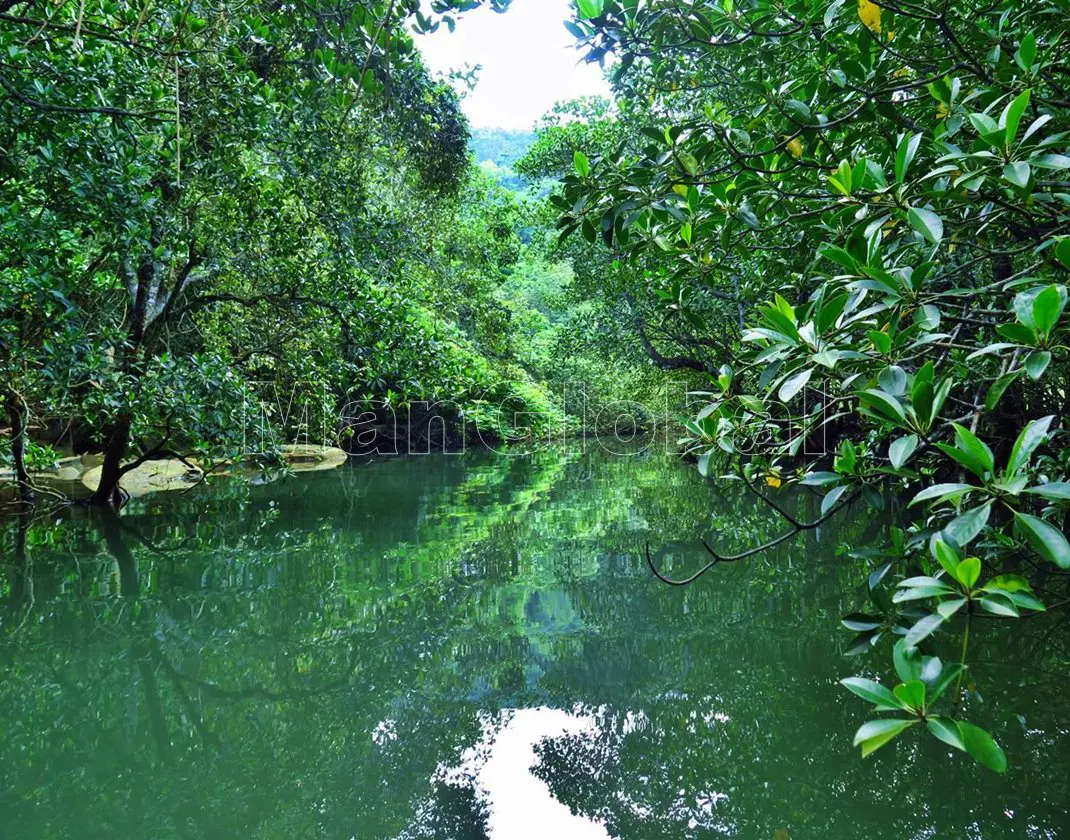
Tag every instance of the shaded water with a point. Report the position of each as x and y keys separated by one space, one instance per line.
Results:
x=469 y=647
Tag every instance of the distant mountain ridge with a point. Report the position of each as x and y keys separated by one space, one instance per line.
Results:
x=501 y=146
x=497 y=149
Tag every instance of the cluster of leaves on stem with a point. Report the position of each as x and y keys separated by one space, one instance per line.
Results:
x=894 y=177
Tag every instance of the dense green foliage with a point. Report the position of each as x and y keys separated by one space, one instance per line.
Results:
x=500 y=146
x=894 y=176
x=843 y=225
x=206 y=207
x=224 y=227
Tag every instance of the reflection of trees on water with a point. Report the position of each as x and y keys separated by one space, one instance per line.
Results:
x=298 y=660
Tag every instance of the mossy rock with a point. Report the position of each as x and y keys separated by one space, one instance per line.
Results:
x=64 y=477
x=303 y=457
x=150 y=477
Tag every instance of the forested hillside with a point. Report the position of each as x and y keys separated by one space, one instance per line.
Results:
x=204 y=210
x=500 y=146
x=496 y=150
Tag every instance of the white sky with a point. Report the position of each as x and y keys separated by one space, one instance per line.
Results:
x=528 y=57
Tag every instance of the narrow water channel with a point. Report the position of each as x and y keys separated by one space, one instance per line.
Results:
x=472 y=647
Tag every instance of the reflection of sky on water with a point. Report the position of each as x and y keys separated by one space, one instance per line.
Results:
x=520 y=804
x=501 y=771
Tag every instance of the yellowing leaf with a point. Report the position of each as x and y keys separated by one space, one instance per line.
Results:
x=773 y=481
x=870 y=15
x=794 y=148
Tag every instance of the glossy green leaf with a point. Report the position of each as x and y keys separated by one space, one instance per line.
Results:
x=948 y=608
x=1026 y=53
x=589 y=9
x=1056 y=490
x=907 y=661
x=900 y=450
x=860 y=622
x=881 y=341
x=1047 y=540
x=965 y=527
x=1048 y=308
x=884 y=404
x=793 y=384
x=941 y=492
x=1027 y=442
x=1000 y=605
x=927 y=223
x=911 y=694
x=920 y=593
x=980 y=745
x=977 y=449
x=832 y=498
x=946 y=730
x=998 y=388
x=875 y=734
x=968 y=571
x=1036 y=363
x=1017 y=174
x=872 y=692
x=1012 y=115
x=945 y=554
x=904 y=155
x=923 y=628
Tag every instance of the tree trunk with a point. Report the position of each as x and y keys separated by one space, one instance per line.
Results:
x=18 y=414
x=112 y=530
x=108 y=493
x=22 y=583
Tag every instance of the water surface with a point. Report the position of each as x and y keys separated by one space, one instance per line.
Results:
x=471 y=646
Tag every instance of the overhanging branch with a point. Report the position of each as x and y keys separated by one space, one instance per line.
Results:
x=797 y=527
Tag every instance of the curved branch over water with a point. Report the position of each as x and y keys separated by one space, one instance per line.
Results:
x=797 y=528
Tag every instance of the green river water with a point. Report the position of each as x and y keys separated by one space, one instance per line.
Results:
x=471 y=646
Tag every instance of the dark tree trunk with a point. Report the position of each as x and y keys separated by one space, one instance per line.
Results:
x=145 y=319
x=18 y=414
x=112 y=530
x=108 y=493
x=22 y=584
